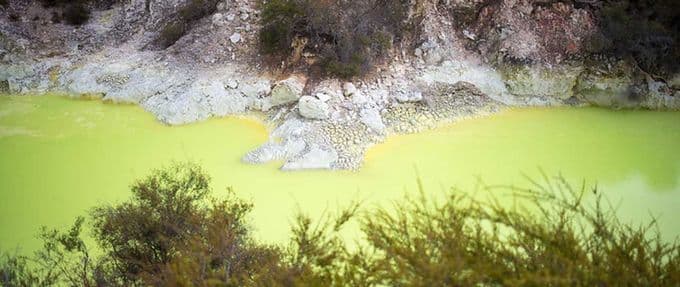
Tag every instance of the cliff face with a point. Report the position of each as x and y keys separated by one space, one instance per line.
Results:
x=189 y=60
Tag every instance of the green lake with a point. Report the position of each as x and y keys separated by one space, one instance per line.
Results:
x=59 y=157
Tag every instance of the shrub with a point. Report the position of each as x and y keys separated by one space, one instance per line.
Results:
x=553 y=239
x=75 y=12
x=170 y=233
x=344 y=70
x=646 y=31
x=3 y=3
x=170 y=225
x=339 y=32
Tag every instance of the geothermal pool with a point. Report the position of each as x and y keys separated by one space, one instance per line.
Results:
x=59 y=157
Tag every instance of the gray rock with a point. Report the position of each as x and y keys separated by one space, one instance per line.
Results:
x=358 y=98
x=218 y=19
x=232 y=84
x=313 y=108
x=285 y=143
x=287 y=91
x=235 y=38
x=539 y=81
x=316 y=158
x=372 y=119
x=324 y=97
x=609 y=90
x=349 y=89
x=405 y=96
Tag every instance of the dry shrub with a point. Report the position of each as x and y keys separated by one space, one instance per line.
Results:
x=170 y=233
x=556 y=239
x=75 y=12
x=646 y=31
x=349 y=37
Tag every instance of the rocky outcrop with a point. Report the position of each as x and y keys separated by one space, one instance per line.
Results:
x=372 y=119
x=313 y=108
x=315 y=158
x=286 y=92
x=551 y=84
x=469 y=58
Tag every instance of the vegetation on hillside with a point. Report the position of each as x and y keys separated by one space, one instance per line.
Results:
x=646 y=31
x=348 y=37
x=172 y=233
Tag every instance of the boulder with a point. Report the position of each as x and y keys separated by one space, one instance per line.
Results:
x=287 y=91
x=349 y=89
x=372 y=119
x=313 y=108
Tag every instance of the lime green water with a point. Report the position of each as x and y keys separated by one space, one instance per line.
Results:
x=60 y=157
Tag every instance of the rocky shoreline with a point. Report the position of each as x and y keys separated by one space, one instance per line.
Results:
x=213 y=71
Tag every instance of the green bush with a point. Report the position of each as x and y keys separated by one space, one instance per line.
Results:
x=337 y=31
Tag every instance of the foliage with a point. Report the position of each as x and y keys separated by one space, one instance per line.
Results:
x=348 y=36
x=648 y=31
x=170 y=233
x=63 y=260
x=554 y=240
x=75 y=12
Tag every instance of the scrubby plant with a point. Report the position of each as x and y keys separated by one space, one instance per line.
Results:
x=554 y=239
x=75 y=12
x=171 y=233
x=646 y=31
x=349 y=37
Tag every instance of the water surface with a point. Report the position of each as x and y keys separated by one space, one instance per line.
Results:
x=59 y=157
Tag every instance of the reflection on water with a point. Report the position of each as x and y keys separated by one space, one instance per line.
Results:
x=87 y=153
